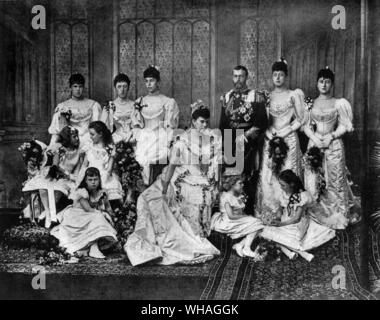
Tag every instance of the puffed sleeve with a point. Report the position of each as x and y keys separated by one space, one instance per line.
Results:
x=305 y=200
x=79 y=194
x=345 y=116
x=298 y=99
x=171 y=114
x=137 y=119
x=58 y=122
x=96 y=111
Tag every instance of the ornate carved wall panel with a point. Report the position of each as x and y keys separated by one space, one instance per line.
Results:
x=145 y=52
x=249 y=49
x=71 y=46
x=173 y=35
x=164 y=57
x=201 y=61
x=62 y=61
x=259 y=49
x=127 y=53
x=267 y=52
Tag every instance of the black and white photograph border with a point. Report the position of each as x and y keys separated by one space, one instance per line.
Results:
x=189 y=150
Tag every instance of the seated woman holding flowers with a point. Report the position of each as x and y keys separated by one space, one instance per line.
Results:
x=174 y=213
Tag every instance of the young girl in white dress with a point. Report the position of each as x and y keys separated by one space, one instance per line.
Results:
x=57 y=179
x=232 y=220
x=100 y=154
x=292 y=228
x=88 y=220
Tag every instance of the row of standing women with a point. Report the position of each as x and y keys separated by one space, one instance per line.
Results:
x=175 y=212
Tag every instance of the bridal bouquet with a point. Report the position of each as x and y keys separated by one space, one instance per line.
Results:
x=314 y=160
x=278 y=150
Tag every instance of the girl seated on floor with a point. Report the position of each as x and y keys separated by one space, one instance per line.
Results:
x=232 y=221
x=293 y=229
x=88 y=220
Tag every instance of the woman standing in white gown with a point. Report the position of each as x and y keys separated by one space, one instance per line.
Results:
x=156 y=115
x=77 y=112
x=329 y=119
x=117 y=115
x=286 y=115
x=174 y=213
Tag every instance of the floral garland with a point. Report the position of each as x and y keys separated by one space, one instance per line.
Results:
x=130 y=172
x=278 y=150
x=125 y=221
x=314 y=160
x=203 y=221
x=127 y=167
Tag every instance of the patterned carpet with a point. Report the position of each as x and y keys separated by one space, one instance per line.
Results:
x=226 y=277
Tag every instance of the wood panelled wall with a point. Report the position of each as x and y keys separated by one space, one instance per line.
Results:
x=24 y=94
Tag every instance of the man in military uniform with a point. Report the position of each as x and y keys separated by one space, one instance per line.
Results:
x=244 y=109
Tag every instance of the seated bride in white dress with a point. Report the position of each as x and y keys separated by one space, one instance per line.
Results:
x=174 y=213
x=154 y=118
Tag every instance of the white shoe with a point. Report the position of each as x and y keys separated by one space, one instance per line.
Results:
x=306 y=255
x=249 y=253
x=95 y=252
x=239 y=249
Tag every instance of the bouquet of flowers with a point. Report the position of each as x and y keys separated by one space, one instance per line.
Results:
x=269 y=214
x=138 y=105
x=110 y=106
x=309 y=103
x=314 y=159
x=67 y=114
x=278 y=150
x=53 y=257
